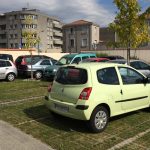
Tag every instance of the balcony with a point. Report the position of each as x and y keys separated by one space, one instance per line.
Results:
x=3 y=40
x=58 y=34
x=58 y=42
x=57 y=26
x=50 y=42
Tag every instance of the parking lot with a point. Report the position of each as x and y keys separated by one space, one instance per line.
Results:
x=21 y=104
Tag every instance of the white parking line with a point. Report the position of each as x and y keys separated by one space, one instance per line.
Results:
x=25 y=99
x=33 y=120
x=128 y=141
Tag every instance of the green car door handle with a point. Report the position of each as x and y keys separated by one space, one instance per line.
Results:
x=121 y=92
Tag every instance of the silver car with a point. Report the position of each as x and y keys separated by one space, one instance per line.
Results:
x=137 y=64
x=8 y=70
x=37 y=67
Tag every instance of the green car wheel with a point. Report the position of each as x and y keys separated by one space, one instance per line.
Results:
x=99 y=119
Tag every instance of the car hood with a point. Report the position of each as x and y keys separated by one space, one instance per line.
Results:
x=52 y=67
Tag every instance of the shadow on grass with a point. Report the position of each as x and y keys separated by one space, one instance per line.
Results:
x=64 y=123
x=55 y=121
x=146 y=110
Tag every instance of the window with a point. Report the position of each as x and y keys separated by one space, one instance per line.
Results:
x=84 y=43
x=144 y=66
x=11 y=26
x=108 y=76
x=84 y=57
x=71 y=30
x=54 y=61
x=67 y=75
x=15 y=26
x=2 y=64
x=45 y=62
x=11 y=45
x=16 y=45
x=130 y=76
x=8 y=64
x=11 y=36
x=76 y=60
x=72 y=43
x=15 y=36
x=135 y=65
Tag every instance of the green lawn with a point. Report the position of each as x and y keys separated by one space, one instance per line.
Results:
x=61 y=133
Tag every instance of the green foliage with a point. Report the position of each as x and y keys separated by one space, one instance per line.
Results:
x=130 y=26
x=101 y=54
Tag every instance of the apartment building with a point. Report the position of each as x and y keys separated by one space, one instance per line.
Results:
x=80 y=36
x=108 y=36
x=47 y=28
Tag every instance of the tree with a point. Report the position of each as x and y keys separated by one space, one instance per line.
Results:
x=130 y=26
x=30 y=37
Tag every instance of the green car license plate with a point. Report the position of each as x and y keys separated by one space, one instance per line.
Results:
x=61 y=108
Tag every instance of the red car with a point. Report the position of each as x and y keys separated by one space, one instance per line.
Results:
x=96 y=60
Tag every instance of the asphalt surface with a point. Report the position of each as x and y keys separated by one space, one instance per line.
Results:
x=13 y=139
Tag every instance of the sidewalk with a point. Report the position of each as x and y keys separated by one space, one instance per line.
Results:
x=13 y=139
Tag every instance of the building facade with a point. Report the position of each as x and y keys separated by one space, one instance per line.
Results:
x=47 y=28
x=80 y=36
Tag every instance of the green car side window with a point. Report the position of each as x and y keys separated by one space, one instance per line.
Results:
x=108 y=76
x=130 y=76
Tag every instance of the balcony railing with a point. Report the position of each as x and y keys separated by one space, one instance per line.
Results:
x=59 y=42
x=58 y=34
x=57 y=26
x=3 y=40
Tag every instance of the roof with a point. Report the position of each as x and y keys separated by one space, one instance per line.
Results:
x=96 y=65
x=79 y=54
x=79 y=23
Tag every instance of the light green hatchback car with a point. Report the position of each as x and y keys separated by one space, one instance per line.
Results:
x=96 y=92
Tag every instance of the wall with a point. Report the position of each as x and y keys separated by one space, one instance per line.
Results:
x=16 y=53
x=140 y=54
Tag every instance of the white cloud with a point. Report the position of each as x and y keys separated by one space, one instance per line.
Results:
x=66 y=10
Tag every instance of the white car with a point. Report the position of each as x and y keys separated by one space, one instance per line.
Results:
x=8 y=70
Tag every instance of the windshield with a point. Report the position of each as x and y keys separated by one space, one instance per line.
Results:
x=64 y=61
x=68 y=75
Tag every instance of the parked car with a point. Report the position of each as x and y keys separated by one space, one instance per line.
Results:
x=6 y=57
x=50 y=71
x=137 y=64
x=37 y=67
x=95 y=60
x=8 y=70
x=97 y=91
x=113 y=57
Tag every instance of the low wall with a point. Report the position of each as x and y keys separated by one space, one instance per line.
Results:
x=16 y=53
x=140 y=54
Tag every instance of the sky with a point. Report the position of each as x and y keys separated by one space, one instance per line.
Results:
x=101 y=12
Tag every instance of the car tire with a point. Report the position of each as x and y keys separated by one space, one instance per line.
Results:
x=99 y=119
x=10 y=77
x=38 y=75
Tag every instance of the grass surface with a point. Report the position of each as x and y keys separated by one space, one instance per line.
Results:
x=63 y=133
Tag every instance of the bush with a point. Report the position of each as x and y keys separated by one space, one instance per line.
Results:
x=101 y=54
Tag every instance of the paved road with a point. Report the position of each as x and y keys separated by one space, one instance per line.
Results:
x=13 y=139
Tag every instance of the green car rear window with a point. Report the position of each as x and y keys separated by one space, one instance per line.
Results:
x=68 y=75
